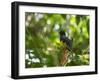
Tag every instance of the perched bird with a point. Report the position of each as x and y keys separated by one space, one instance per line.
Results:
x=66 y=40
x=68 y=47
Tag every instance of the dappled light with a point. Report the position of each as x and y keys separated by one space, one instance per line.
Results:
x=43 y=46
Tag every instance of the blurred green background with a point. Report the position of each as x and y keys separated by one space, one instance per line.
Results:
x=42 y=41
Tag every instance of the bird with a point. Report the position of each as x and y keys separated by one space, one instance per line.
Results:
x=66 y=40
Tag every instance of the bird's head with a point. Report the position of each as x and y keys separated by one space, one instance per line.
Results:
x=62 y=33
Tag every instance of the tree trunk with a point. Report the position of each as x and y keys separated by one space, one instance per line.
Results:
x=64 y=57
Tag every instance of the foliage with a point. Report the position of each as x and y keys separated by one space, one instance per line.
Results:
x=43 y=47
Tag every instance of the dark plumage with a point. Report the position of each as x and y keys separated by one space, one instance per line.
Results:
x=66 y=40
